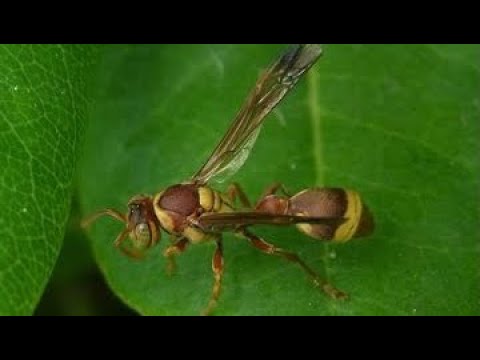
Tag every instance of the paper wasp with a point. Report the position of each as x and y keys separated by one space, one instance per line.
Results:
x=192 y=212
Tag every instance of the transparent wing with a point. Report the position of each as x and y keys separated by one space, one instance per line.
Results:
x=272 y=86
x=233 y=161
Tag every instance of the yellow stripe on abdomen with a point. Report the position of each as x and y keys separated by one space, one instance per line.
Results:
x=353 y=215
x=213 y=201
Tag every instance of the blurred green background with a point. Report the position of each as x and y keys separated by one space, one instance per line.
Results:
x=77 y=287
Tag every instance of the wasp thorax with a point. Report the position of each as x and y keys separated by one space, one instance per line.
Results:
x=180 y=199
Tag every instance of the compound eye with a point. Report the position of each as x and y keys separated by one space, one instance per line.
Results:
x=142 y=236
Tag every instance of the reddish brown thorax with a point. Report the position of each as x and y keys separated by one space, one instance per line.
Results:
x=180 y=199
x=178 y=203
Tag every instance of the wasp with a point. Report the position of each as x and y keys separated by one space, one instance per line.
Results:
x=192 y=212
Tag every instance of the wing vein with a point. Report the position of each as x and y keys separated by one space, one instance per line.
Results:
x=271 y=87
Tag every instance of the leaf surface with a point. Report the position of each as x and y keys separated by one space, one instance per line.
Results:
x=397 y=123
x=43 y=107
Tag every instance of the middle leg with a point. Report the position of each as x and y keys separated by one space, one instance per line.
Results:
x=217 y=267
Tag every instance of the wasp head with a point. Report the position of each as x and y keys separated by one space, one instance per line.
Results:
x=142 y=222
x=141 y=225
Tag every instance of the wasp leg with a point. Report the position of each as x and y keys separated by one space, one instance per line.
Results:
x=319 y=281
x=272 y=189
x=129 y=252
x=170 y=252
x=217 y=267
x=173 y=239
x=235 y=190
x=106 y=212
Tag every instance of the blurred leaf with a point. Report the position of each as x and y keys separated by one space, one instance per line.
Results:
x=398 y=123
x=42 y=112
x=76 y=286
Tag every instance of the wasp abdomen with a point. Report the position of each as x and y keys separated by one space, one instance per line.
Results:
x=334 y=203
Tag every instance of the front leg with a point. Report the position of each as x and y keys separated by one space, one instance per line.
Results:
x=119 y=244
x=217 y=267
x=106 y=212
x=170 y=252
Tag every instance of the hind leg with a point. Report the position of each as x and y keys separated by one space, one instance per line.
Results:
x=235 y=190
x=273 y=189
x=270 y=249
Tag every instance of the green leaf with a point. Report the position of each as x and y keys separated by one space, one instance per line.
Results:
x=398 y=123
x=42 y=112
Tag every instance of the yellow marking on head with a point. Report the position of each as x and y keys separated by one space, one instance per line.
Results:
x=206 y=196
x=353 y=214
